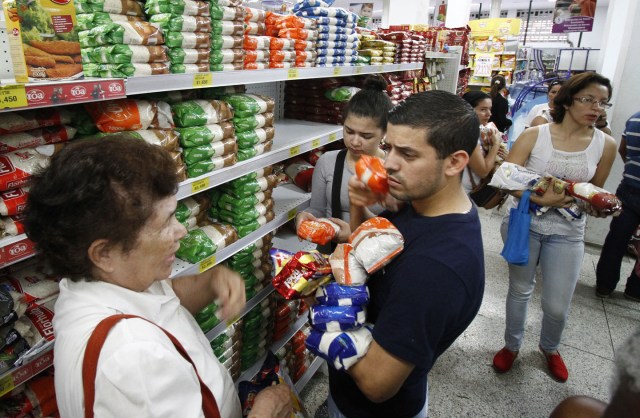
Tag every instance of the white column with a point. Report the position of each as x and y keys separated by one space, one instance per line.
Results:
x=495 y=8
x=406 y=12
x=458 y=12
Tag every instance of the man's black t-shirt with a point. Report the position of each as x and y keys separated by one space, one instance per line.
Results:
x=420 y=303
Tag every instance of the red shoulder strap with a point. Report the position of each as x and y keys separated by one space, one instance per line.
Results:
x=92 y=353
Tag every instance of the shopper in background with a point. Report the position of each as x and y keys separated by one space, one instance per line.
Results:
x=482 y=162
x=541 y=113
x=623 y=226
x=428 y=295
x=625 y=389
x=603 y=124
x=102 y=215
x=365 y=125
x=569 y=148
x=499 y=103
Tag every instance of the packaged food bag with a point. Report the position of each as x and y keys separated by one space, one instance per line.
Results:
x=335 y=294
x=130 y=115
x=210 y=164
x=245 y=105
x=13 y=202
x=300 y=274
x=597 y=197
x=247 y=139
x=119 y=7
x=177 y=7
x=179 y=23
x=125 y=70
x=376 y=242
x=300 y=172
x=123 y=54
x=346 y=267
x=200 y=112
x=370 y=170
x=195 y=136
x=207 y=151
x=320 y=231
x=18 y=166
x=26 y=120
x=337 y=318
x=35 y=138
x=205 y=241
x=121 y=32
x=340 y=349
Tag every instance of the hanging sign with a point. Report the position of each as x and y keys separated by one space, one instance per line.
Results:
x=441 y=14
x=483 y=65
x=573 y=16
x=495 y=27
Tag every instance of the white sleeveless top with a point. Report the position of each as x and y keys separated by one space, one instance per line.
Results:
x=571 y=166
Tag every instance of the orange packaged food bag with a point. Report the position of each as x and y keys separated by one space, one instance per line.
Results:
x=345 y=267
x=297 y=33
x=281 y=44
x=376 y=242
x=130 y=115
x=319 y=231
x=370 y=170
x=280 y=56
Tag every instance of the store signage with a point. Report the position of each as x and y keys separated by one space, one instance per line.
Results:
x=483 y=65
x=573 y=16
x=13 y=96
x=495 y=27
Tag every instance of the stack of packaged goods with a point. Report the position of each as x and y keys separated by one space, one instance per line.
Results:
x=256 y=43
x=27 y=298
x=295 y=356
x=117 y=41
x=206 y=134
x=35 y=398
x=401 y=41
x=291 y=45
x=337 y=41
x=253 y=122
x=250 y=260
x=417 y=51
x=398 y=88
x=27 y=140
x=377 y=51
x=226 y=346
x=310 y=99
x=227 y=53
x=186 y=25
x=257 y=334
x=299 y=169
x=285 y=314
x=150 y=120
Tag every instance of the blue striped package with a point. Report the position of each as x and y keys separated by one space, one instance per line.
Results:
x=335 y=29
x=337 y=318
x=337 y=37
x=340 y=349
x=335 y=294
x=314 y=12
x=306 y=4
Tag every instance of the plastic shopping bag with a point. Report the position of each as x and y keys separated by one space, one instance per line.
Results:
x=516 y=247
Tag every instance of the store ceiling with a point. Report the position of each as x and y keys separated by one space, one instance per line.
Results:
x=522 y=4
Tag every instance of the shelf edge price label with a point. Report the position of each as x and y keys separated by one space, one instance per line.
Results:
x=337 y=70
x=201 y=80
x=293 y=151
x=200 y=185
x=13 y=96
x=6 y=384
x=315 y=143
x=207 y=263
x=292 y=214
x=292 y=74
x=358 y=69
x=333 y=137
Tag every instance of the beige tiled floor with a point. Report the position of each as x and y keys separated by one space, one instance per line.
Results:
x=463 y=383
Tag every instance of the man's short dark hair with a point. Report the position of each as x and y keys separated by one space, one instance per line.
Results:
x=451 y=123
x=571 y=87
x=96 y=189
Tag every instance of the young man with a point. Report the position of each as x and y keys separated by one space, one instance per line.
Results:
x=428 y=295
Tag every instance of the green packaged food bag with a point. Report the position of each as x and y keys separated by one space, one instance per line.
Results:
x=211 y=164
x=341 y=94
x=250 y=280
x=258 y=149
x=186 y=208
x=244 y=216
x=200 y=112
x=239 y=266
x=188 y=56
x=244 y=252
x=248 y=139
x=88 y=21
x=226 y=56
x=177 y=7
x=209 y=324
x=130 y=33
x=180 y=23
x=252 y=122
x=243 y=270
x=196 y=246
x=249 y=293
x=246 y=229
x=219 y=340
x=219 y=12
x=232 y=203
x=201 y=135
x=187 y=39
x=124 y=54
x=122 y=7
x=206 y=152
x=250 y=103
x=219 y=42
x=224 y=27
x=206 y=313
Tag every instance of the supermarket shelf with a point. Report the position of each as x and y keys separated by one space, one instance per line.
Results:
x=292 y=137
x=295 y=327
x=15 y=249
x=313 y=368
x=18 y=375
x=155 y=83
x=432 y=55
x=288 y=241
x=479 y=84
x=288 y=200
x=494 y=53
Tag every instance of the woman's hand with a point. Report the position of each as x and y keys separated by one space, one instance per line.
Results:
x=303 y=216
x=228 y=287
x=273 y=402
x=345 y=230
x=552 y=199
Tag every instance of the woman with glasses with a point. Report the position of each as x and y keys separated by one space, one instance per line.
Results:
x=541 y=113
x=571 y=149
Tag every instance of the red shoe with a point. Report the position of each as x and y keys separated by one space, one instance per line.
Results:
x=556 y=366
x=503 y=360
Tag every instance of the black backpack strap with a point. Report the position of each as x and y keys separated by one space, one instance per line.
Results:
x=336 y=210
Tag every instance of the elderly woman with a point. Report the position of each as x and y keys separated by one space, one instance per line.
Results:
x=102 y=214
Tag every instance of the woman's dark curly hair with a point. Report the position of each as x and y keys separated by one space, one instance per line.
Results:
x=96 y=189
x=571 y=87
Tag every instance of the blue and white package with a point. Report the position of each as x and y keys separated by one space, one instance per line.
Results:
x=334 y=21
x=333 y=44
x=313 y=12
x=322 y=52
x=337 y=318
x=340 y=349
x=335 y=294
x=334 y=29
x=305 y=4
x=337 y=37
x=571 y=213
x=330 y=59
x=352 y=17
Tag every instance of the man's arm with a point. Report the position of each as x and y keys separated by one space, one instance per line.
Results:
x=221 y=284
x=379 y=374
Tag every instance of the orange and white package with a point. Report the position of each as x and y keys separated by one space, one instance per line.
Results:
x=254 y=15
x=130 y=115
x=346 y=268
x=302 y=45
x=251 y=42
x=258 y=55
x=284 y=64
x=297 y=33
x=376 y=242
x=304 y=56
x=280 y=56
x=280 y=44
x=370 y=170
x=320 y=231
x=293 y=22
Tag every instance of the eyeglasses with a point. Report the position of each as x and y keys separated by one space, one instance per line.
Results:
x=588 y=100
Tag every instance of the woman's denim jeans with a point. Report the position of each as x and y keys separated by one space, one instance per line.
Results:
x=334 y=412
x=560 y=258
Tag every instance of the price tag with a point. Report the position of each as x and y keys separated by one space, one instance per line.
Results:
x=207 y=263
x=293 y=151
x=315 y=143
x=232 y=321
x=292 y=214
x=292 y=73
x=333 y=137
x=6 y=384
x=484 y=65
x=337 y=70
x=13 y=96
x=201 y=80
x=358 y=69
x=200 y=185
